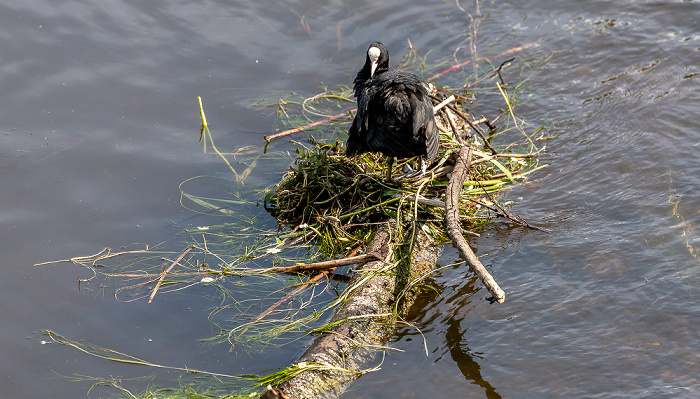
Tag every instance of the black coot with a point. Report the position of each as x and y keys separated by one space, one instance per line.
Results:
x=394 y=113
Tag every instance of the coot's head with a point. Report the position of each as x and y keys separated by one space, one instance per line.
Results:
x=377 y=58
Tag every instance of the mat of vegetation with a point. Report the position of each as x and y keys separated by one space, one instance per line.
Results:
x=326 y=208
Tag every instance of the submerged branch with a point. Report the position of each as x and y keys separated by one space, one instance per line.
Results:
x=465 y=63
x=513 y=217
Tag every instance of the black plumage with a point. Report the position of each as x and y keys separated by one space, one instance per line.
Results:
x=394 y=112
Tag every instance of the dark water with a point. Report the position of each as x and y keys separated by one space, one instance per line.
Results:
x=99 y=126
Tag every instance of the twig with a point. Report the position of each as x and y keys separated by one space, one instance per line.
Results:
x=309 y=126
x=162 y=275
x=455 y=131
x=267 y=311
x=484 y=121
x=513 y=217
x=500 y=67
x=443 y=103
x=325 y=265
x=454 y=188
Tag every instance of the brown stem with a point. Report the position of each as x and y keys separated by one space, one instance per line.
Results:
x=267 y=311
x=455 y=131
x=325 y=265
x=162 y=275
x=309 y=126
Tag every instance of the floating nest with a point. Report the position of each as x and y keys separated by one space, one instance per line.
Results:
x=340 y=200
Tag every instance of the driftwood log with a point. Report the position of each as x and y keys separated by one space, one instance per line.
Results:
x=364 y=324
x=366 y=320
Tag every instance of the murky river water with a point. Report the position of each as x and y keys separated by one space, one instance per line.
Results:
x=99 y=126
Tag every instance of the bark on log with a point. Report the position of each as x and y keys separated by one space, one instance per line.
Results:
x=454 y=230
x=353 y=344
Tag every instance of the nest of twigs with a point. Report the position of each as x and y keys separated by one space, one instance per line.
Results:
x=340 y=199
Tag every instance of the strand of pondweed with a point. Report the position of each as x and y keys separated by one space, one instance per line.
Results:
x=512 y=114
x=110 y=354
x=206 y=134
x=284 y=326
x=287 y=373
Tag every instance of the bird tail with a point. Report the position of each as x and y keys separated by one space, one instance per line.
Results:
x=432 y=139
x=354 y=145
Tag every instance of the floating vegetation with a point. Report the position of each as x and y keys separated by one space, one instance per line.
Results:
x=340 y=200
x=325 y=208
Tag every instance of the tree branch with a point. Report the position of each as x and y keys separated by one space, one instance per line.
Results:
x=454 y=230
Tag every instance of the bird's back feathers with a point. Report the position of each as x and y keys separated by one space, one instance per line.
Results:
x=394 y=116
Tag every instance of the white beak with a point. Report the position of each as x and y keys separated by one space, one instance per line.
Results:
x=373 y=54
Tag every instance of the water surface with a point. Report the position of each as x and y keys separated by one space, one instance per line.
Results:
x=99 y=126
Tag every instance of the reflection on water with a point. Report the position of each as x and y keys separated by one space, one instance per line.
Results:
x=468 y=365
x=99 y=127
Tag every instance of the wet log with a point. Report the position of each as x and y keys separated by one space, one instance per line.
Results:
x=366 y=321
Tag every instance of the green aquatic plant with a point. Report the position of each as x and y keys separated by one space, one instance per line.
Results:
x=324 y=207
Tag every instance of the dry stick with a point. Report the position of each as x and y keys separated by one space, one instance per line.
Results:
x=485 y=121
x=454 y=188
x=162 y=275
x=443 y=103
x=455 y=131
x=473 y=124
x=309 y=126
x=329 y=264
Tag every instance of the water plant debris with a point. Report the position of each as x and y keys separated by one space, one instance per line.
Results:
x=276 y=279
